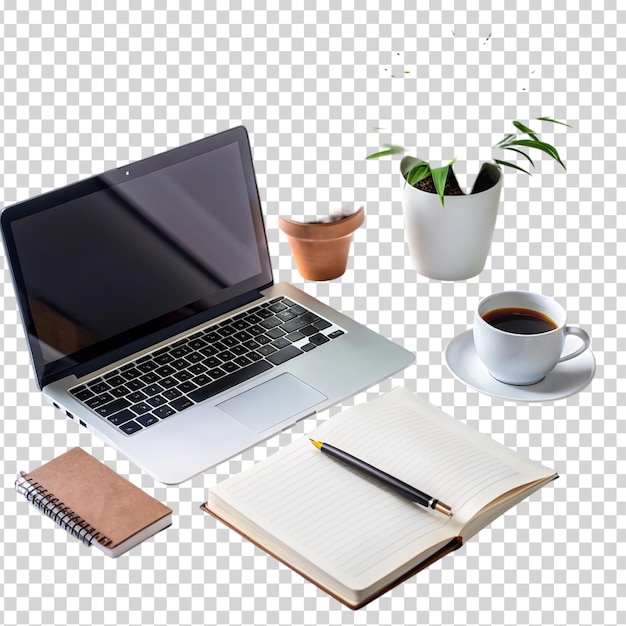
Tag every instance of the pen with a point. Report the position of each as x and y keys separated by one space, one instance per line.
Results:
x=400 y=487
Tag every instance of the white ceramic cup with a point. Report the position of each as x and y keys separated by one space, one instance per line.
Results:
x=520 y=359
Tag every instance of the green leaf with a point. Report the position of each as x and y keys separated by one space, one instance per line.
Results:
x=440 y=176
x=506 y=139
x=548 y=119
x=419 y=172
x=523 y=128
x=390 y=150
x=539 y=145
x=517 y=167
x=409 y=163
x=522 y=153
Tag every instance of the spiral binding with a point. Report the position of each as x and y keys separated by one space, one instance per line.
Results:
x=53 y=508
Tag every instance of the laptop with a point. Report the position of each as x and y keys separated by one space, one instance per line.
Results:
x=152 y=318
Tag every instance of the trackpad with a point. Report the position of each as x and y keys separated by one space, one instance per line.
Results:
x=271 y=402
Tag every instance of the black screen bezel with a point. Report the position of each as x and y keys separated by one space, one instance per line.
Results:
x=110 y=350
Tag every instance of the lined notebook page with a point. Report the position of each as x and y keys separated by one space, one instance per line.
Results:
x=348 y=524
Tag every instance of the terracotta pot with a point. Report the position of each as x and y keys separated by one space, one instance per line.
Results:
x=321 y=250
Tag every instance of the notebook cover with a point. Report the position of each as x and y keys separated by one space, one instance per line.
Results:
x=111 y=504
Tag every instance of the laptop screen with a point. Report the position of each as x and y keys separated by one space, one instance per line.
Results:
x=145 y=250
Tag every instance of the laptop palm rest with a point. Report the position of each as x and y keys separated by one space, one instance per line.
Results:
x=271 y=402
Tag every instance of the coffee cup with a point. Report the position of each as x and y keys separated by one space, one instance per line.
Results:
x=519 y=336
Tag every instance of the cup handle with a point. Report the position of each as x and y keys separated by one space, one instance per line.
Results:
x=579 y=332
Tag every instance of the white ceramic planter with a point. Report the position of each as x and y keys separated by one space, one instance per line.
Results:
x=450 y=242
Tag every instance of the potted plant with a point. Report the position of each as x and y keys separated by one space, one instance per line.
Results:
x=449 y=233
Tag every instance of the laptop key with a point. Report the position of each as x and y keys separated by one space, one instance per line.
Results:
x=122 y=417
x=277 y=308
x=168 y=382
x=284 y=355
x=239 y=350
x=185 y=387
x=336 y=333
x=286 y=315
x=135 y=384
x=322 y=324
x=131 y=373
x=136 y=396
x=165 y=370
x=194 y=357
x=130 y=428
x=163 y=359
x=270 y=322
x=141 y=407
x=197 y=343
x=116 y=381
x=280 y=343
x=265 y=350
x=242 y=361
x=163 y=412
x=152 y=390
x=226 y=355
x=82 y=394
x=181 y=403
x=172 y=394
x=113 y=407
x=148 y=419
x=203 y=379
x=147 y=366
x=149 y=378
x=96 y=401
x=275 y=333
x=226 y=382
x=99 y=387
x=157 y=401
x=296 y=324
x=119 y=392
x=180 y=351
x=318 y=340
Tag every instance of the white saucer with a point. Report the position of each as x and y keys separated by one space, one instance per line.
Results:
x=564 y=380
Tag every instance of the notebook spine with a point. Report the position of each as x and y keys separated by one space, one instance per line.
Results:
x=56 y=510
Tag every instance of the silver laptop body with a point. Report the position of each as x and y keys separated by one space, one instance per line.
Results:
x=134 y=285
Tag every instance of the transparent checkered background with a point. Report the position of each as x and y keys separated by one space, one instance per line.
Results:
x=82 y=91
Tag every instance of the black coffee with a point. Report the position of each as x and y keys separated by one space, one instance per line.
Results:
x=519 y=321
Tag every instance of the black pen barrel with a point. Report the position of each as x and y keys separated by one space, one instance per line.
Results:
x=400 y=487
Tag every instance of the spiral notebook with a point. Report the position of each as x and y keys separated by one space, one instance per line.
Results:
x=93 y=503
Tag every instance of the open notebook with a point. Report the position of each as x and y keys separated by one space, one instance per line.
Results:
x=345 y=532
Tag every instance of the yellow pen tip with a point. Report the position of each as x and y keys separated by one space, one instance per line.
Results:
x=317 y=444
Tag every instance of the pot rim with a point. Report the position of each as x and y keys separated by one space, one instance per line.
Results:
x=316 y=231
x=466 y=194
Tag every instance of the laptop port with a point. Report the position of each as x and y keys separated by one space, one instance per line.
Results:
x=69 y=415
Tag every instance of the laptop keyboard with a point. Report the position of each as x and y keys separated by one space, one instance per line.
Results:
x=173 y=378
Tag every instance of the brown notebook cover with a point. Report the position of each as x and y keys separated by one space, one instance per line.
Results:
x=94 y=503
